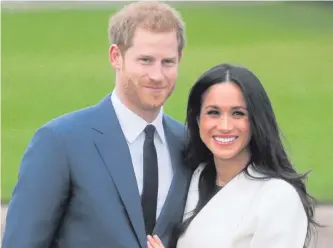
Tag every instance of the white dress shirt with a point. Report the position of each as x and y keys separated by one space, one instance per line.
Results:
x=133 y=127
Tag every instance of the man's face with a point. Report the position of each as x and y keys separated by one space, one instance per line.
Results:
x=148 y=70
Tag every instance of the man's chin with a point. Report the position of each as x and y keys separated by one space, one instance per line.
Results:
x=152 y=106
x=154 y=102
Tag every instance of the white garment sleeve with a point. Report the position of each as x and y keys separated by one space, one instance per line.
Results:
x=282 y=221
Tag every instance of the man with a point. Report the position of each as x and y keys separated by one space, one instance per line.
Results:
x=109 y=174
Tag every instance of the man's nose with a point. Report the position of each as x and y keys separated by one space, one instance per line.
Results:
x=156 y=73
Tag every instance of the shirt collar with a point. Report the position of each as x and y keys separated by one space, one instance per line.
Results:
x=132 y=124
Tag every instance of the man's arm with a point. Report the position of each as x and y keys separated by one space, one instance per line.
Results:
x=42 y=188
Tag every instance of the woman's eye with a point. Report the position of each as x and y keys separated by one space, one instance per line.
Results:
x=212 y=112
x=239 y=113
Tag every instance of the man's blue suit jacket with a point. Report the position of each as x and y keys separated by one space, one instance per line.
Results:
x=77 y=189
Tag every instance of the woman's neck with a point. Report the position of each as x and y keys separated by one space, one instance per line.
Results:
x=226 y=170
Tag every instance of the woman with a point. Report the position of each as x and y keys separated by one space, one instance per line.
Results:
x=244 y=191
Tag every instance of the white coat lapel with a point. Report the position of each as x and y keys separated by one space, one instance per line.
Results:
x=223 y=212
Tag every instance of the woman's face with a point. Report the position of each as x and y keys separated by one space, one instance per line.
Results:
x=224 y=122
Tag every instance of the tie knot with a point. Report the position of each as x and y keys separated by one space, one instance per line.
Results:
x=150 y=130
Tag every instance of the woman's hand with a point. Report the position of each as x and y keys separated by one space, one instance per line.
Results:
x=154 y=242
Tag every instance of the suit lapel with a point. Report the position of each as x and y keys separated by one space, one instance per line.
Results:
x=178 y=188
x=112 y=146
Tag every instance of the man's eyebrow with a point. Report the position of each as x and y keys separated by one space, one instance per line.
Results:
x=172 y=58
x=145 y=55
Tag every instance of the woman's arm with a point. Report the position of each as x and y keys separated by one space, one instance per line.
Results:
x=282 y=221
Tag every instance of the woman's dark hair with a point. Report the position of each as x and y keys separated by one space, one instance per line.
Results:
x=268 y=155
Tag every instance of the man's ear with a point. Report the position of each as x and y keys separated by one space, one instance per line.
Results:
x=115 y=57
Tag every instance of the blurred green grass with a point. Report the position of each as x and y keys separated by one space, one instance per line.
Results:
x=55 y=61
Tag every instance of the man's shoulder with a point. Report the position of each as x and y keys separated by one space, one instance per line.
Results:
x=73 y=120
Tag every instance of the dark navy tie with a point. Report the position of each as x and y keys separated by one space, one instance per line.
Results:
x=150 y=180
